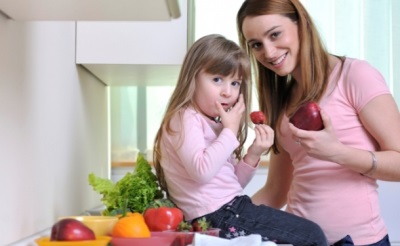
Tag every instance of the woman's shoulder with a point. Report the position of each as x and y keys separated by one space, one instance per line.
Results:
x=354 y=65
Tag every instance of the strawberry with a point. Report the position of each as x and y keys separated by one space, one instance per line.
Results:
x=201 y=224
x=258 y=117
x=184 y=226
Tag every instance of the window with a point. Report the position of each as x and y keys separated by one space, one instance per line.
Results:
x=365 y=29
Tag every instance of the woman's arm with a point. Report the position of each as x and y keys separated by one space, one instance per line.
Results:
x=274 y=192
x=381 y=118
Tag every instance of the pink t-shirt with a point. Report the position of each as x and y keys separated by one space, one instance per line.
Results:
x=340 y=200
x=199 y=168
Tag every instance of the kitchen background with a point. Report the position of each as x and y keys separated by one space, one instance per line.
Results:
x=82 y=91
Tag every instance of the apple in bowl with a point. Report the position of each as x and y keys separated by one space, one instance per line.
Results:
x=71 y=230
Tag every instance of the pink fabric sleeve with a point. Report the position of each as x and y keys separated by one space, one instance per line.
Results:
x=201 y=160
x=245 y=172
x=363 y=83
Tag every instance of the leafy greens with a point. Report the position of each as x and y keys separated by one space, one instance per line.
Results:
x=132 y=193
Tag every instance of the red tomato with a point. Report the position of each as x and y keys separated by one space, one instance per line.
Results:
x=163 y=218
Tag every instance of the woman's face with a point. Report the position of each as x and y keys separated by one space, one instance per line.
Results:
x=274 y=41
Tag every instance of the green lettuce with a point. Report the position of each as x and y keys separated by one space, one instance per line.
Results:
x=133 y=193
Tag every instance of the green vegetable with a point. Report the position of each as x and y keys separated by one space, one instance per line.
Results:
x=132 y=193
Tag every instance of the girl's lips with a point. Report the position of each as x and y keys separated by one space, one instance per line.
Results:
x=225 y=106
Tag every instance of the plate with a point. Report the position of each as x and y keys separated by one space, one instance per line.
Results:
x=186 y=238
x=155 y=240
x=100 y=241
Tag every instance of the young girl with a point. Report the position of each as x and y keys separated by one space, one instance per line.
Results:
x=198 y=148
x=327 y=176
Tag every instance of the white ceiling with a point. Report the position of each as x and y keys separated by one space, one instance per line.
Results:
x=93 y=10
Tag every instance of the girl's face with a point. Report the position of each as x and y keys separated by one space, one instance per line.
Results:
x=274 y=41
x=211 y=88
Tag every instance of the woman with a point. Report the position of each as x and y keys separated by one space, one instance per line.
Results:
x=327 y=176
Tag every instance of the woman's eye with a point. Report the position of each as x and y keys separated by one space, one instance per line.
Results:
x=274 y=35
x=255 y=46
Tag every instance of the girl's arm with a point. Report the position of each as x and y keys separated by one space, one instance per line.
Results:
x=245 y=169
x=279 y=179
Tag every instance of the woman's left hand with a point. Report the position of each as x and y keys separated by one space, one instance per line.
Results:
x=321 y=144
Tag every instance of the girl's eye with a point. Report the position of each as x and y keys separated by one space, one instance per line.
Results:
x=217 y=79
x=236 y=83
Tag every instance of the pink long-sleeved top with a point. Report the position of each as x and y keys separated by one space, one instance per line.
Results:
x=198 y=164
x=340 y=200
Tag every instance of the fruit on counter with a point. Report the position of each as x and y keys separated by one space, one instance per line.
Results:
x=201 y=224
x=197 y=225
x=132 y=226
x=162 y=215
x=307 y=117
x=186 y=231
x=258 y=117
x=71 y=230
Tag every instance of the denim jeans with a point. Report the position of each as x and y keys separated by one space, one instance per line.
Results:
x=347 y=241
x=241 y=217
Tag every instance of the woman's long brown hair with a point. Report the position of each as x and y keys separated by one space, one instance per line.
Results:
x=213 y=54
x=274 y=92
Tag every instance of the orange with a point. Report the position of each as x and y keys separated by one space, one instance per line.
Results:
x=127 y=214
x=131 y=226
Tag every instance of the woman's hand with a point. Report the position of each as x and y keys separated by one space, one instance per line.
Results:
x=262 y=142
x=321 y=144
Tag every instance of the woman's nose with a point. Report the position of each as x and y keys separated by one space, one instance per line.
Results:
x=269 y=51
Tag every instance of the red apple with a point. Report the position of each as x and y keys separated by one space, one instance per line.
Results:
x=307 y=117
x=258 y=117
x=71 y=230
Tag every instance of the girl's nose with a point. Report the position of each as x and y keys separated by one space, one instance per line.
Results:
x=226 y=91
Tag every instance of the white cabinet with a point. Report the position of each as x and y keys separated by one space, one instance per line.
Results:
x=136 y=52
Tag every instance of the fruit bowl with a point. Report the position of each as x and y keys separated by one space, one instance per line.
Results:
x=186 y=237
x=100 y=241
x=100 y=225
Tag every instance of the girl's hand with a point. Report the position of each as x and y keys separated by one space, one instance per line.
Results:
x=232 y=118
x=262 y=142
x=321 y=144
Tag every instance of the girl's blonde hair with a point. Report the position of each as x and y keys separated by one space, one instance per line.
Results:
x=274 y=92
x=213 y=54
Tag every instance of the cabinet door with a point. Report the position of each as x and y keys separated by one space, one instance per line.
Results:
x=132 y=42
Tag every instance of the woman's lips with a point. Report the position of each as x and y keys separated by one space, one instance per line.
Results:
x=279 y=60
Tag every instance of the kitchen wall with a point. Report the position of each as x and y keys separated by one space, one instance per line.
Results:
x=53 y=128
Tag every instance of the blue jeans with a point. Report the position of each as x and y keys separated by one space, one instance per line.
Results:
x=241 y=217
x=347 y=241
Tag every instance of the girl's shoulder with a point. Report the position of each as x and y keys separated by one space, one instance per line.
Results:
x=187 y=115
